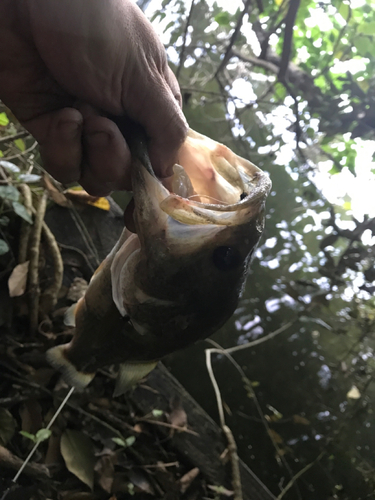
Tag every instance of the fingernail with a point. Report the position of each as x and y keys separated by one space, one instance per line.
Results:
x=69 y=129
x=98 y=139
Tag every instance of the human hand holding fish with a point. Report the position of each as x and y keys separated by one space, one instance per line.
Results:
x=178 y=277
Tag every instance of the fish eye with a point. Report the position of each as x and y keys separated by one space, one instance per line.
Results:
x=226 y=258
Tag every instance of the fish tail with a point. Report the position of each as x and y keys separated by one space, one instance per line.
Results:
x=58 y=360
x=131 y=373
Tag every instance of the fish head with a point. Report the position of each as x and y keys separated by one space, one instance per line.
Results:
x=180 y=276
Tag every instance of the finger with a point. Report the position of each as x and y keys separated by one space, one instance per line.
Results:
x=107 y=158
x=59 y=136
x=158 y=111
x=174 y=86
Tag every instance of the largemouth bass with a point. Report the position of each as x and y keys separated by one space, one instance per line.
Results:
x=179 y=277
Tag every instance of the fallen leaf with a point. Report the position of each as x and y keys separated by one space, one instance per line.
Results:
x=188 y=478
x=78 y=454
x=353 y=393
x=101 y=203
x=276 y=438
x=18 y=279
x=7 y=426
x=141 y=482
x=297 y=419
x=177 y=416
x=80 y=195
x=57 y=196
x=105 y=467
x=77 y=289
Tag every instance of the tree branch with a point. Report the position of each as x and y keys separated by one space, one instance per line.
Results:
x=236 y=32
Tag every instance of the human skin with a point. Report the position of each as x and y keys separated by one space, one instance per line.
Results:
x=65 y=65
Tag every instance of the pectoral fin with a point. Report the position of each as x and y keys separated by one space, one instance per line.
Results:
x=70 y=315
x=56 y=358
x=129 y=374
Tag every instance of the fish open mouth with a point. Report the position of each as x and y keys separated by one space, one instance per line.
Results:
x=212 y=185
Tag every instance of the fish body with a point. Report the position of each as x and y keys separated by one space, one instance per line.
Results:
x=179 y=277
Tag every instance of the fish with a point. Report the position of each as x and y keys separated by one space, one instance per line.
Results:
x=176 y=279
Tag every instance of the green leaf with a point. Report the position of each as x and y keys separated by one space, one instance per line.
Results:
x=157 y=413
x=367 y=28
x=78 y=454
x=7 y=426
x=223 y=18
x=3 y=247
x=22 y=212
x=29 y=178
x=28 y=436
x=4 y=120
x=361 y=43
x=125 y=443
x=11 y=167
x=344 y=10
x=169 y=25
x=20 y=144
x=9 y=193
x=43 y=435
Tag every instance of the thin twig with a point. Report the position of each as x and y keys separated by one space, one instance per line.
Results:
x=298 y=475
x=232 y=447
x=18 y=135
x=166 y=424
x=21 y=154
x=182 y=52
x=266 y=338
x=236 y=32
x=33 y=285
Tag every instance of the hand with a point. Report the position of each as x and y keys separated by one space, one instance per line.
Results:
x=65 y=64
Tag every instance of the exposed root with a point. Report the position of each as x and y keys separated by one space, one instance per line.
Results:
x=49 y=297
x=26 y=227
x=33 y=283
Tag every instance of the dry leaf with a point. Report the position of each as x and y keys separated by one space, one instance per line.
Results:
x=297 y=419
x=353 y=393
x=77 y=289
x=101 y=203
x=140 y=480
x=18 y=279
x=78 y=194
x=78 y=454
x=57 y=196
x=276 y=438
x=188 y=478
x=105 y=467
x=177 y=416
